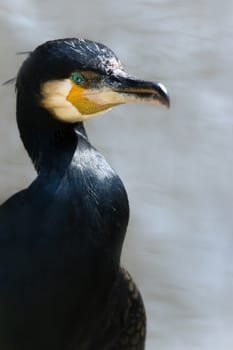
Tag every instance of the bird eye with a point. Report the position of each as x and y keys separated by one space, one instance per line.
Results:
x=77 y=78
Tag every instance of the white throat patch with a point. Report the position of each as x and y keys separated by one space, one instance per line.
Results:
x=54 y=95
x=54 y=99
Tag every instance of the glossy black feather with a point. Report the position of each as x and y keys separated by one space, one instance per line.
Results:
x=61 y=285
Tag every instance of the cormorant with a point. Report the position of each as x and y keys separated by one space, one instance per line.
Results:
x=61 y=284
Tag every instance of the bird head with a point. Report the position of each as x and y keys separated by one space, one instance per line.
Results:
x=75 y=79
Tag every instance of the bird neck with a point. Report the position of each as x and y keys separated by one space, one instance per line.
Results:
x=49 y=143
x=85 y=186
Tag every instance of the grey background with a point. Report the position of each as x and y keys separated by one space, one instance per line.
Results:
x=176 y=164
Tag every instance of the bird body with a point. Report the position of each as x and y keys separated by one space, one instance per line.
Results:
x=76 y=242
x=61 y=284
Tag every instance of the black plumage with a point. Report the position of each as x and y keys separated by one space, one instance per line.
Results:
x=61 y=284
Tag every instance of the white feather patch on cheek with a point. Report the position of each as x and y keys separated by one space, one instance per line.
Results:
x=54 y=95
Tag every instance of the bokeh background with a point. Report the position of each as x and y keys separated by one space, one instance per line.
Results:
x=177 y=165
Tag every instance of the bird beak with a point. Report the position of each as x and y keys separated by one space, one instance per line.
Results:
x=114 y=90
x=127 y=89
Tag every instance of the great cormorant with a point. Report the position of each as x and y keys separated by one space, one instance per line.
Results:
x=61 y=284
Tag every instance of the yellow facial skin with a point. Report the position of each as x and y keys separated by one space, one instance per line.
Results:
x=87 y=102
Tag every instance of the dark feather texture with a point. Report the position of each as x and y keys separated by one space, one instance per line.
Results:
x=61 y=285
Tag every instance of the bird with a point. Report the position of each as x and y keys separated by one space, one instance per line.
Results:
x=62 y=286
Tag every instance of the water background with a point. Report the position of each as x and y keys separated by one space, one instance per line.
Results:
x=177 y=165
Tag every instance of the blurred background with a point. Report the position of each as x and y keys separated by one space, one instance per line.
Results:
x=177 y=164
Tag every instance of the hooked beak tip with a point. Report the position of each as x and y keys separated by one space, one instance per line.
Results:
x=164 y=96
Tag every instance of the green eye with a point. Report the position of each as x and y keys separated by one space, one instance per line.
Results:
x=77 y=78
